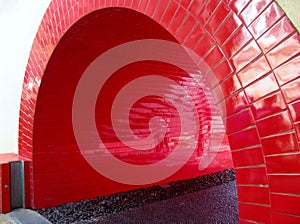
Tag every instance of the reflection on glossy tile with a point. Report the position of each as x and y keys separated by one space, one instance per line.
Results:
x=288 y=71
x=207 y=11
x=227 y=28
x=235 y=103
x=274 y=124
x=280 y=144
x=238 y=5
x=261 y=88
x=254 y=71
x=235 y=43
x=246 y=55
x=230 y=85
x=269 y=105
x=284 y=51
x=217 y=18
x=289 y=92
x=265 y=20
x=253 y=9
x=276 y=34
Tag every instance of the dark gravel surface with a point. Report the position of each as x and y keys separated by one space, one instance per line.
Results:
x=88 y=211
x=214 y=205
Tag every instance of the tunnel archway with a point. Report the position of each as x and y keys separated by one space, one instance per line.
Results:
x=255 y=59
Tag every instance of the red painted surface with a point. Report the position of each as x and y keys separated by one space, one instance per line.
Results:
x=4 y=188
x=255 y=63
x=5 y=159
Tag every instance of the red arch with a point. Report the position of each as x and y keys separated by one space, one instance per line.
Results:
x=254 y=52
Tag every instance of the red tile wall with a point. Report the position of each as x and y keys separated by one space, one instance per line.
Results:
x=253 y=51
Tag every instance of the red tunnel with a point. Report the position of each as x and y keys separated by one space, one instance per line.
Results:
x=201 y=63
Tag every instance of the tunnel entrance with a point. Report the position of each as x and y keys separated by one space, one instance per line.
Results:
x=113 y=157
x=253 y=75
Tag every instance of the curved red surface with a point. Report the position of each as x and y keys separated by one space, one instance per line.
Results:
x=253 y=53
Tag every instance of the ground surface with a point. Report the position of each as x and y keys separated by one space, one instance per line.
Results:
x=215 y=205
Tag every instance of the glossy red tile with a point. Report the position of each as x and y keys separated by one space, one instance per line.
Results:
x=239 y=121
x=238 y=5
x=243 y=139
x=280 y=144
x=285 y=50
x=217 y=18
x=160 y=9
x=151 y=7
x=289 y=92
x=253 y=175
x=135 y=4
x=254 y=71
x=257 y=213
x=254 y=194
x=248 y=157
x=196 y=34
x=295 y=110
x=183 y=32
x=227 y=28
x=235 y=103
x=143 y=6
x=169 y=13
x=276 y=34
x=185 y=4
x=195 y=7
x=230 y=85
x=289 y=163
x=204 y=45
x=222 y=71
x=274 y=124
x=236 y=42
x=261 y=88
x=297 y=129
x=177 y=20
x=268 y=105
x=285 y=203
x=288 y=71
x=127 y=3
x=246 y=55
x=266 y=20
x=214 y=57
x=207 y=11
x=253 y=9
x=279 y=218
x=285 y=183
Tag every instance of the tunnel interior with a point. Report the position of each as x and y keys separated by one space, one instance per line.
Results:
x=248 y=57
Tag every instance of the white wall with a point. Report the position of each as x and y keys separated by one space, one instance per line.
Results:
x=19 y=21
